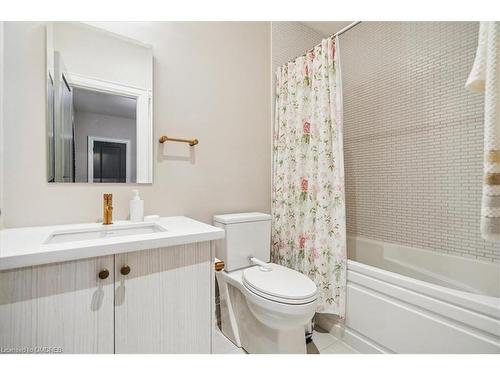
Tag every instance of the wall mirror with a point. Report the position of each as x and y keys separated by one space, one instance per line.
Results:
x=99 y=106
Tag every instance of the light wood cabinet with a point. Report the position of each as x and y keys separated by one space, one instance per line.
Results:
x=59 y=307
x=162 y=306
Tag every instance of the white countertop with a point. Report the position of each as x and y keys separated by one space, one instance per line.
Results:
x=22 y=247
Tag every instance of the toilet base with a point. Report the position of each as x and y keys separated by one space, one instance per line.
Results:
x=264 y=340
x=240 y=325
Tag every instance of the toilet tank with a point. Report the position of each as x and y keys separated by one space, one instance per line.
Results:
x=247 y=235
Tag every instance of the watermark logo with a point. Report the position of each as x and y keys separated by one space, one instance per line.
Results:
x=31 y=350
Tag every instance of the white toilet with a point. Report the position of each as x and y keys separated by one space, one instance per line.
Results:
x=264 y=306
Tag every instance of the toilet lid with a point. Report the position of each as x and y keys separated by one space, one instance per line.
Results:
x=281 y=284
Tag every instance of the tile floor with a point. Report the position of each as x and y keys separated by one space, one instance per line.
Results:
x=222 y=345
x=323 y=343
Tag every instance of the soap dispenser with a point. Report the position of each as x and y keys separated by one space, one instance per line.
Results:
x=136 y=207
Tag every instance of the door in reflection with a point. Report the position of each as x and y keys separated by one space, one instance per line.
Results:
x=109 y=162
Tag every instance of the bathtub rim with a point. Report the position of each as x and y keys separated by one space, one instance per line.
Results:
x=486 y=305
x=383 y=246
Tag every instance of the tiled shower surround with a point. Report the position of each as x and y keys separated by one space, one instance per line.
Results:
x=413 y=136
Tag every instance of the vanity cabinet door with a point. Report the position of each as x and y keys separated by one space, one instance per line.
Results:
x=58 y=308
x=163 y=304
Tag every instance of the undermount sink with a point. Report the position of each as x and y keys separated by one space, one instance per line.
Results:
x=104 y=232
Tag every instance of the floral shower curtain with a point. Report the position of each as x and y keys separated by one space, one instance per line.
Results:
x=309 y=230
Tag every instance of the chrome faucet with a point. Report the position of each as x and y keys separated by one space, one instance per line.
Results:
x=107 y=216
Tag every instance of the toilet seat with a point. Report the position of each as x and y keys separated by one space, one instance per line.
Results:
x=281 y=284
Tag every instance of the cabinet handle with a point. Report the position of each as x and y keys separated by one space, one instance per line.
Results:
x=125 y=270
x=104 y=274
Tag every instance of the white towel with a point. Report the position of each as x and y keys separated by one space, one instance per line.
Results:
x=485 y=76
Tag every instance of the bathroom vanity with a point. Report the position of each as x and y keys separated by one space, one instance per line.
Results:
x=120 y=288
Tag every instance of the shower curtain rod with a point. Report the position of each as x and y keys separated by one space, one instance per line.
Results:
x=350 y=26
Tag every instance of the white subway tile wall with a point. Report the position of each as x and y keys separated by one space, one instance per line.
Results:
x=413 y=136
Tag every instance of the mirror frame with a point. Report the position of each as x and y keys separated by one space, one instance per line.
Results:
x=144 y=109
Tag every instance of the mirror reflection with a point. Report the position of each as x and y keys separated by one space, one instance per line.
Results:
x=99 y=102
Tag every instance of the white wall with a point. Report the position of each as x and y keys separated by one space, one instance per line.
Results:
x=211 y=81
x=99 y=125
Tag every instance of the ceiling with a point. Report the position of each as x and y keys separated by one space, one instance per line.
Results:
x=326 y=28
x=105 y=104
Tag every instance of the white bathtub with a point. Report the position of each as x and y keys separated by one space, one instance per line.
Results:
x=406 y=300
